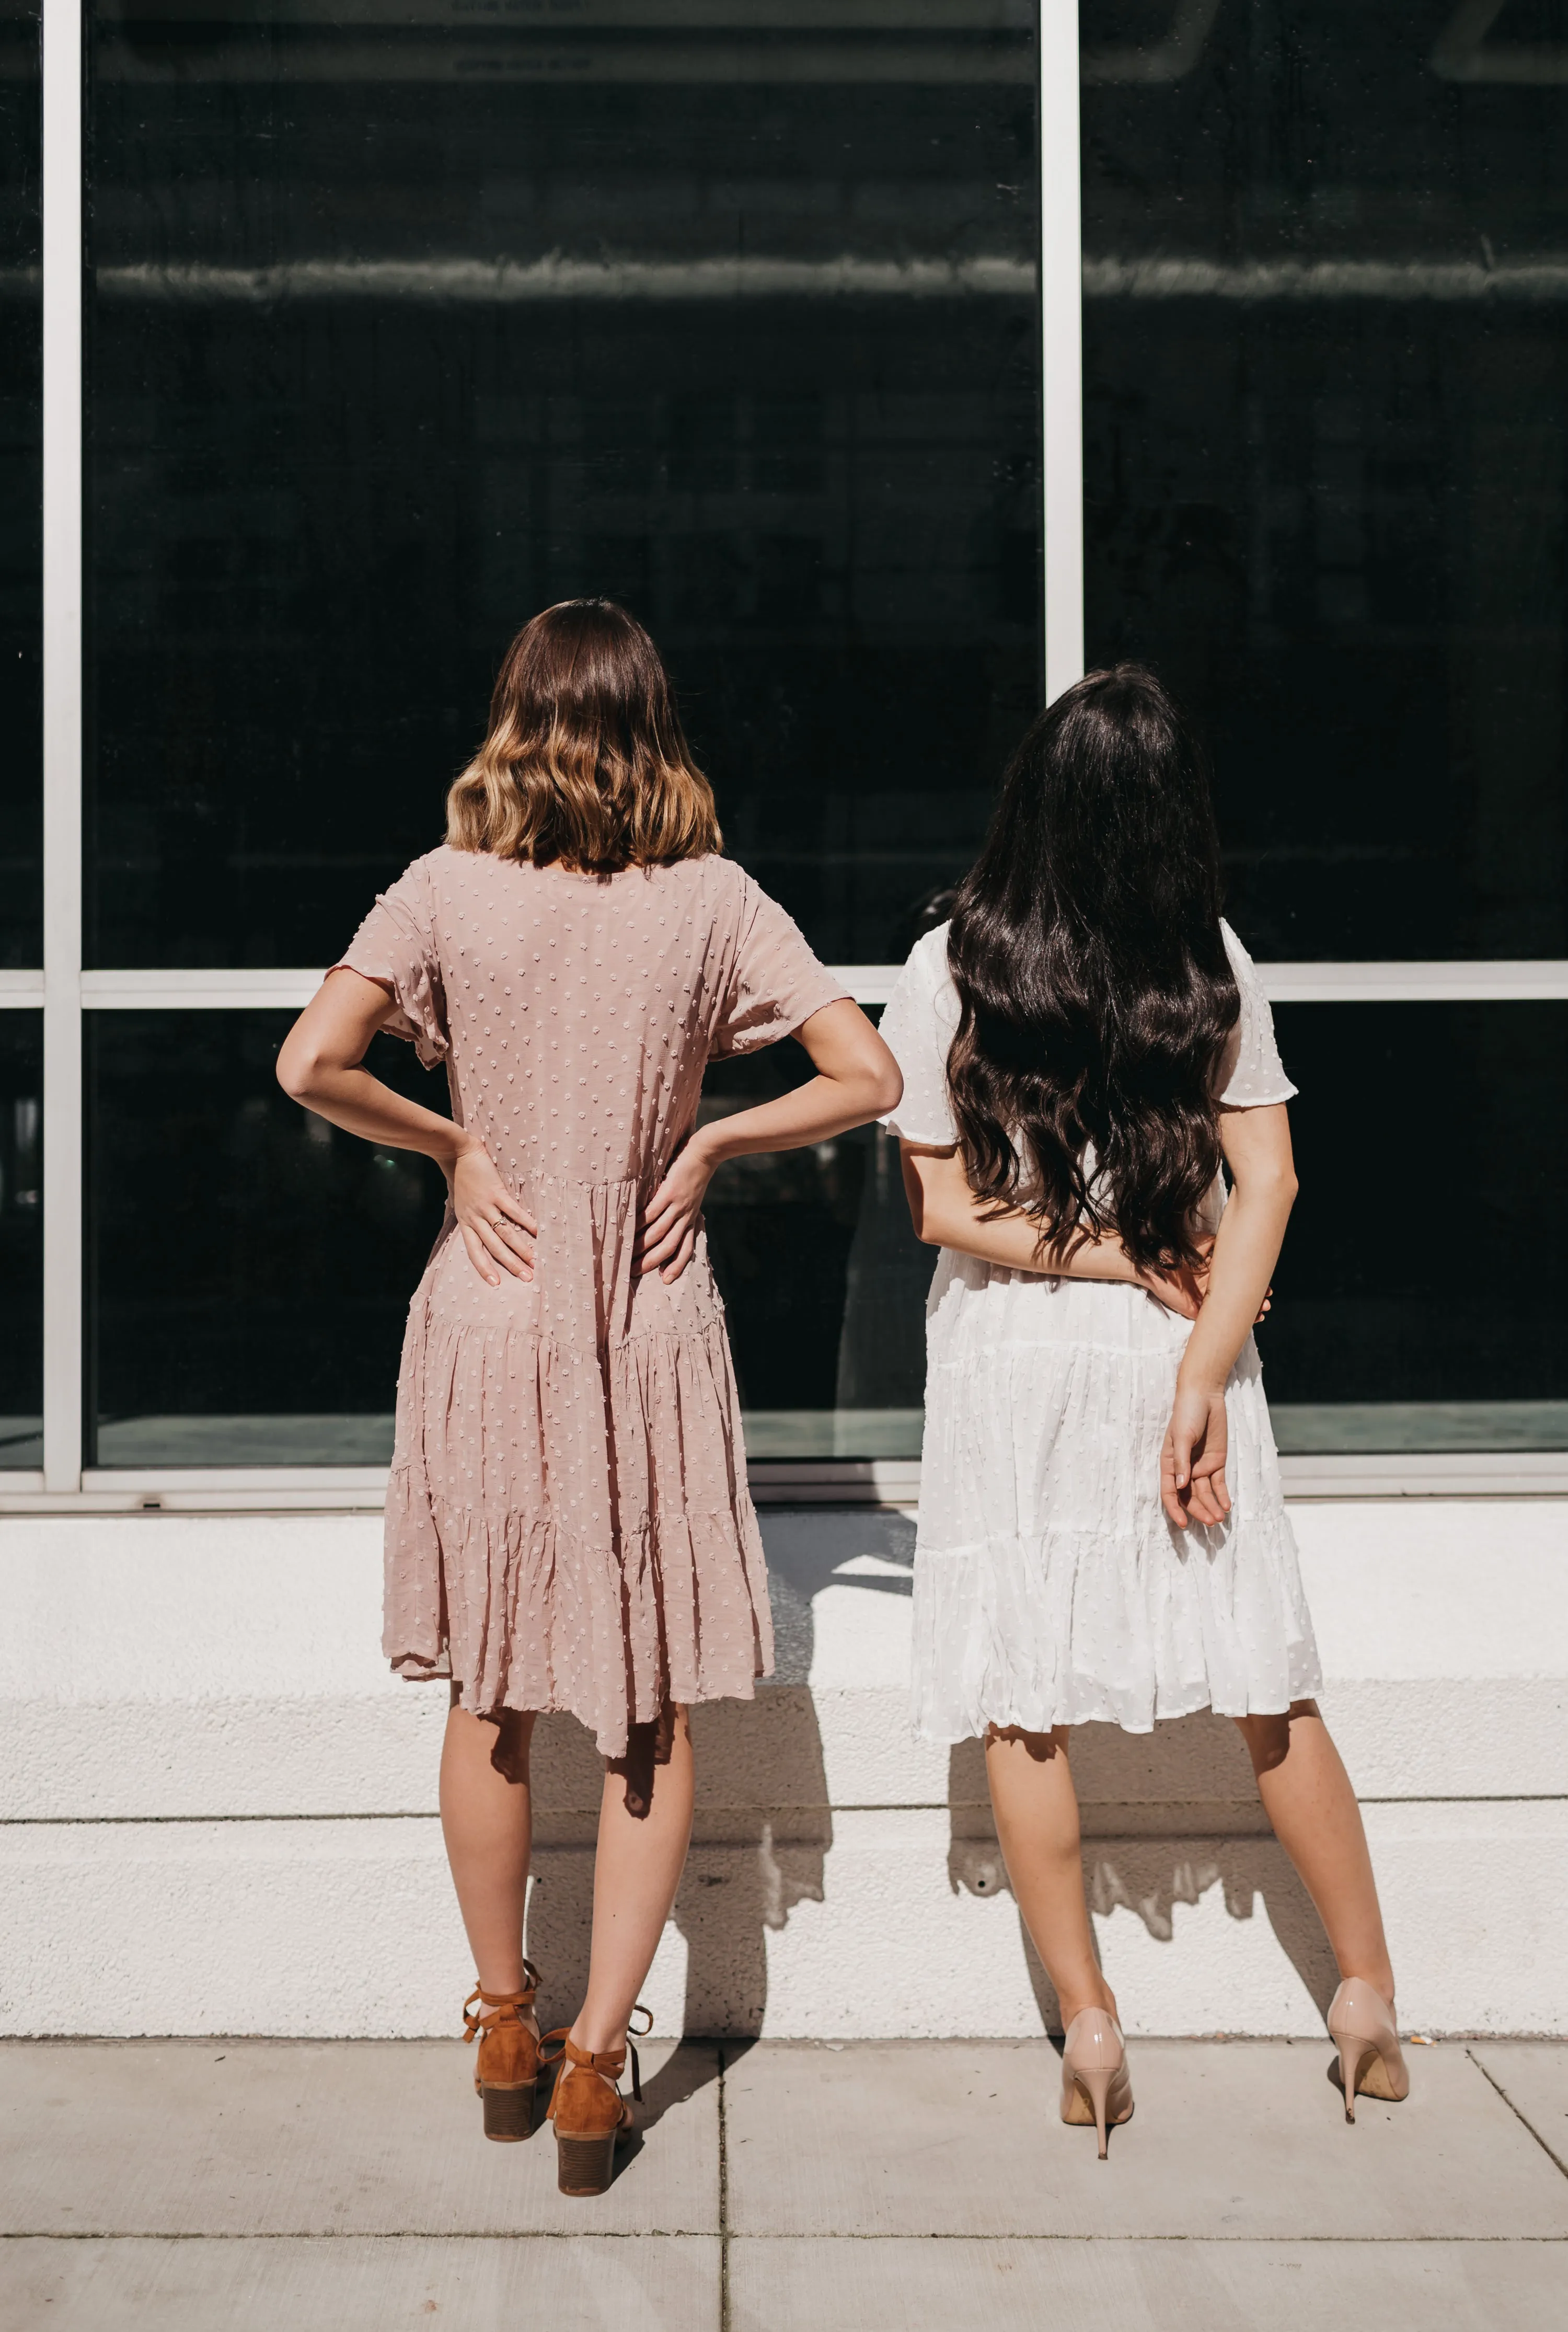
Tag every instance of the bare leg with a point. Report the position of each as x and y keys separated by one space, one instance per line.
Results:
x=1307 y=1796
x=486 y=1820
x=1037 y=1811
x=644 y=1830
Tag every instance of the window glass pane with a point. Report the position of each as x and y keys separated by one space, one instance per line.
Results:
x=823 y=1280
x=403 y=328
x=21 y=493
x=1324 y=376
x=21 y=1239
x=252 y=1266
x=1422 y=1294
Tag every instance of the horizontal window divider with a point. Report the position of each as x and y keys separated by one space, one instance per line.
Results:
x=21 y=991
x=203 y=990
x=1455 y=981
x=806 y=1482
x=1486 y=980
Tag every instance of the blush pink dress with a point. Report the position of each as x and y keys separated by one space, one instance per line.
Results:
x=567 y=1522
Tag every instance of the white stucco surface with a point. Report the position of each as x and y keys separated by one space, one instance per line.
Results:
x=216 y=1808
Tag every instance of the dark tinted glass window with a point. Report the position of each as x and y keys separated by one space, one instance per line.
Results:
x=400 y=331
x=823 y=1280
x=21 y=491
x=21 y=1238
x=251 y=1267
x=1421 y=1294
x=1324 y=376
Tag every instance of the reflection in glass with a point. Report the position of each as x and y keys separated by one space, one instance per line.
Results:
x=823 y=1280
x=1421 y=1296
x=404 y=327
x=21 y=491
x=1326 y=404
x=251 y=1267
x=21 y=1239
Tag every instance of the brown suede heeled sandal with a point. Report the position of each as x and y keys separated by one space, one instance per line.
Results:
x=589 y=2113
x=506 y=2069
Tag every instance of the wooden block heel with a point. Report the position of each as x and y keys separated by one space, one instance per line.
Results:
x=506 y=2069
x=586 y=2165
x=508 y=2112
x=589 y=2113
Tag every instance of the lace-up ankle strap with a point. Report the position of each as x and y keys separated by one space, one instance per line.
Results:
x=609 y=2064
x=505 y=2006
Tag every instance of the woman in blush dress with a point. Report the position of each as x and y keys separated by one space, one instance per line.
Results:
x=568 y=1524
x=1102 y=1535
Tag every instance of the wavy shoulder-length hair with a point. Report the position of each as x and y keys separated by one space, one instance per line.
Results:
x=585 y=760
x=1096 y=995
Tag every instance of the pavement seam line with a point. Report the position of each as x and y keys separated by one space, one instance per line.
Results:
x=695 y=2235
x=1554 y=2158
x=723 y=2202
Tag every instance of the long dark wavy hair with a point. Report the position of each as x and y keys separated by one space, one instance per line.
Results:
x=1096 y=991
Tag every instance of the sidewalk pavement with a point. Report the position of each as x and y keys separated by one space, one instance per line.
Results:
x=308 y=2186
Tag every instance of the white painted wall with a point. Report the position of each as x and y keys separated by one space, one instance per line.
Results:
x=217 y=1811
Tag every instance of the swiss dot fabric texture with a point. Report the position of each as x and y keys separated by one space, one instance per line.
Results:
x=1050 y=1587
x=567 y=1522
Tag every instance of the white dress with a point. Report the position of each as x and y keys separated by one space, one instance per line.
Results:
x=1049 y=1586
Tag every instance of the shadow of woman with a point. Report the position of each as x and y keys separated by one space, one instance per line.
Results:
x=1167 y=1816
x=763 y=1825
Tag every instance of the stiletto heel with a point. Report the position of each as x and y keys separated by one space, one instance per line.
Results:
x=1351 y=2056
x=1095 y=2084
x=1361 y=2024
x=506 y=2069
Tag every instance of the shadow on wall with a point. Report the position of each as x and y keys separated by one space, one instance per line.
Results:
x=1166 y=1816
x=760 y=1786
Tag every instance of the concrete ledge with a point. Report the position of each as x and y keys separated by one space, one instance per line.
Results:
x=218 y=1807
x=887 y=1927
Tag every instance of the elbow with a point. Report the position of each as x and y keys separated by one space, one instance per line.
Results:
x=298 y=1070
x=887 y=1088
x=926 y=1224
x=1275 y=1187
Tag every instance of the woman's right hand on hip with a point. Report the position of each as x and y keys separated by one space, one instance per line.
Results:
x=497 y=1230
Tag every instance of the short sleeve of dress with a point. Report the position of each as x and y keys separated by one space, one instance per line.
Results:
x=396 y=947
x=918 y=1027
x=1251 y=1073
x=775 y=982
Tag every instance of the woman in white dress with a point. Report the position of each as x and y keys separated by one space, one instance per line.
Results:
x=1103 y=1535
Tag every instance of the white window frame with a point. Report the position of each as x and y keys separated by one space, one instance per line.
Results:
x=64 y=989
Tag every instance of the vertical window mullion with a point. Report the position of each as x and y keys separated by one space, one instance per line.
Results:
x=63 y=730
x=1061 y=326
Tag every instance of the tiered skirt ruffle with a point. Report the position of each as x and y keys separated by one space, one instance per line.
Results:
x=1050 y=1588
x=568 y=1528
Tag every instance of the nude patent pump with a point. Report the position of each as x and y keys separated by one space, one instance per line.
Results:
x=1362 y=2027
x=1095 y=2085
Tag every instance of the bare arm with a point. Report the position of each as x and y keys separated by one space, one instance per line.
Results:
x=857 y=1079
x=946 y=1212
x=1257 y=1146
x=322 y=1065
